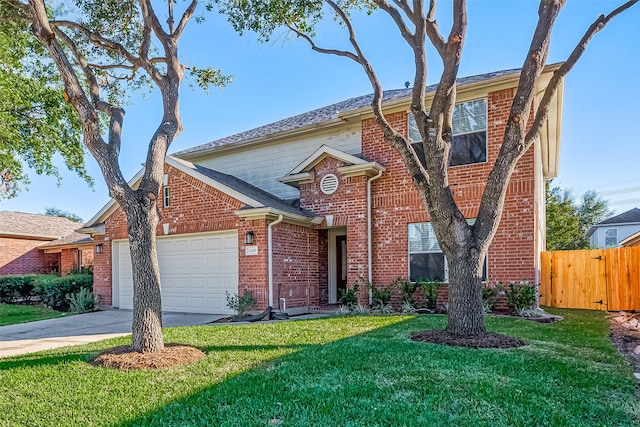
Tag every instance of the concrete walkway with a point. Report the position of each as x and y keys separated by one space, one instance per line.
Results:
x=81 y=329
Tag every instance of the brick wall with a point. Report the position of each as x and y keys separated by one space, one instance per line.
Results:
x=348 y=205
x=195 y=208
x=21 y=256
x=396 y=203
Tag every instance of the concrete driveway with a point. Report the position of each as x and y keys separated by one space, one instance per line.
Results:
x=81 y=329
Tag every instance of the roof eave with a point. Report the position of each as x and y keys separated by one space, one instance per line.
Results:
x=273 y=214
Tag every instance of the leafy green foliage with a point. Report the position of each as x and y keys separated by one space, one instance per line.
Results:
x=54 y=290
x=569 y=221
x=380 y=296
x=16 y=288
x=35 y=120
x=489 y=298
x=81 y=302
x=241 y=304
x=523 y=295
x=430 y=291
x=349 y=297
x=62 y=214
x=407 y=290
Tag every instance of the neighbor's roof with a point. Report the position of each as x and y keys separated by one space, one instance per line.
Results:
x=325 y=114
x=631 y=216
x=35 y=226
x=74 y=239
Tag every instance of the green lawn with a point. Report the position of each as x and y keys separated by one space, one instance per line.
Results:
x=10 y=314
x=347 y=371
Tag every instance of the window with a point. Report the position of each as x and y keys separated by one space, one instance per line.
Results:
x=611 y=237
x=166 y=197
x=469 y=134
x=426 y=260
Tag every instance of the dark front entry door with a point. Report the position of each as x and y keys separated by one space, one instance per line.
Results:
x=341 y=264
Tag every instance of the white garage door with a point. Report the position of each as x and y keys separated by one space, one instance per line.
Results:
x=195 y=272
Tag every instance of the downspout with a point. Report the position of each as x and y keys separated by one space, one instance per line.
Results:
x=270 y=255
x=369 y=255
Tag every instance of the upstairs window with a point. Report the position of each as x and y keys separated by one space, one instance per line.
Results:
x=611 y=237
x=469 y=134
x=166 y=197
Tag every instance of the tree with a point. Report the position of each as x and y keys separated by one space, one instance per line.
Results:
x=464 y=244
x=568 y=221
x=62 y=214
x=36 y=122
x=100 y=50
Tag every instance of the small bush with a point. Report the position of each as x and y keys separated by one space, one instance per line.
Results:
x=430 y=289
x=522 y=295
x=81 y=302
x=489 y=298
x=16 y=288
x=380 y=296
x=241 y=304
x=407 y=289
x=349 y=297
x=54 y=289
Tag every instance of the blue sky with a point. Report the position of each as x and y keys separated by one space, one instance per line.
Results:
x=600 y=147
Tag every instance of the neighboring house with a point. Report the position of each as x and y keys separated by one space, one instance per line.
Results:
x=612 y=231
x=633 y=240
x=23 y=243
x=297 y=210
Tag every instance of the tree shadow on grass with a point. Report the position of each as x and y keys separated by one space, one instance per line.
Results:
x=381 y=378
x=39 y=359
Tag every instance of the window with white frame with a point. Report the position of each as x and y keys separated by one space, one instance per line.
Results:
x=166 y=197
x=469 y=134
x=426 y=260
x=611 y=237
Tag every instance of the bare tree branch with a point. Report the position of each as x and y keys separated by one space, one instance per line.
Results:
x=404 y=6
x=552 y=86
x=432 y=30
x=318 y=49
x=397 y=18
x=185 y=18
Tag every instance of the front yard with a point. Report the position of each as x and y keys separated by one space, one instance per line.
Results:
x=11 y=314
x=343 y=371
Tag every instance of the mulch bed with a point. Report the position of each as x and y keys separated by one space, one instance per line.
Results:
x=125 y=359
x=625 y=335
x=489 y=340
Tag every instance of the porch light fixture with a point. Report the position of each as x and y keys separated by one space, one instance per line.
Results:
x=248 y=238
x=99 y=248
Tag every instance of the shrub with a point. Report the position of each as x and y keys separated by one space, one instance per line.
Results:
x=380 y=296
x=13 y=288
x=54 y=289
x=349 y=297
x=489 y=298
x=81 y=302
x=241 y=304
x=522 y=295
x=430 y=289
x=407 y=289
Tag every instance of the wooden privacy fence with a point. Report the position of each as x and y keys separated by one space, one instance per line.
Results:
x=599 y=279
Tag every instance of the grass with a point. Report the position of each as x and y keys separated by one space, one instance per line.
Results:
x=10 y=314
x=344 y=371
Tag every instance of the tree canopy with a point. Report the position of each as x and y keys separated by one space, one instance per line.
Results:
x=568 y=220
x=62 y=214
x=36 y=122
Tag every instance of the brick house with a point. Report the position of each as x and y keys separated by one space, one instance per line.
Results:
x=30 y=243
x=298 y=209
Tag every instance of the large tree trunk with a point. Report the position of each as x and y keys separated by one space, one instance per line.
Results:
x=142 y=219
x=465 y=313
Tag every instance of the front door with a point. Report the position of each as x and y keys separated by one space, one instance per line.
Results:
x=338 y=265
x=341 y=265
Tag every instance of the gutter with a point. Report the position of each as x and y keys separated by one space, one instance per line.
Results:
x=270 y=255
x=369 y=255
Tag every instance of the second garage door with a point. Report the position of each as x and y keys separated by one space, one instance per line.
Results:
x=196 y=271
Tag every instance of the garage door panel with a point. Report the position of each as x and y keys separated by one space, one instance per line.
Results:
x=196 y=272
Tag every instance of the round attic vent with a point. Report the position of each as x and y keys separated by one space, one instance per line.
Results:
x=329 y=184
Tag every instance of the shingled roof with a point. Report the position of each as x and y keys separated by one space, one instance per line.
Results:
x=630 y=216
x=35 y=226
x=325 y=114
